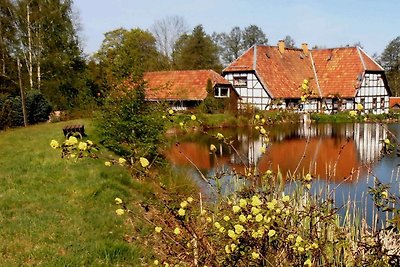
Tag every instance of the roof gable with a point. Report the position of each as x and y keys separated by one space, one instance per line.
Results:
x=180 y=85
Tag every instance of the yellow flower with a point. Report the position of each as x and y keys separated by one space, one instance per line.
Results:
x=308 y=186
x=257 y=127
x=233 y=247
x=226 y=218
x=271 y=233
x=308 y=262
x=278 y=211
x=305 y=81
x=300 y=249
x=308 y=177
x=255 y=255
x=118 y=201
x=193 y=117
x=217 y=225
x=259 y=218
x=171 y=111
x=360 y=107
x=73 y=156
x=144 y=162
x=164 y=117
x=290 y=237
x=181 y=212
x=227 y=249
x=181 y=124
x=119 y=212
x=122 y=161
x=303 y=98
x=232 y=234
x=155 y=262
x=257 y=117
x=236 y=209
x=242 y=218
x=158 y=229
x=82 y=146
x=184 y=204
x=263 y=131
x=107 y=163
x=255 y=210
x=255 y=201
x=189 y=199
x=314 y=245
x=90 y=143
x=239 y=228
x=177 y=231
x=220 y=136
x=263 y=149
x=262 y=120
x=384 y=194
x=213 y=148
x=208 y=219
x=352 y=113
x=285 y=198
x=72 y=140
x=242 y=203
x=299 y=239
x=387 y=141
x=54 y=144
x=222 y=229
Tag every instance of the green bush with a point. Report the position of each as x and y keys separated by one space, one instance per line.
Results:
x=130 y=126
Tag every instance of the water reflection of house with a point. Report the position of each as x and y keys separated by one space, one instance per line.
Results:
x=332 y=149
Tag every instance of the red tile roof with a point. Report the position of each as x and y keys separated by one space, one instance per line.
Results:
x=336 y=70
x=339 y=69
x=394 y=102
x=180 y=85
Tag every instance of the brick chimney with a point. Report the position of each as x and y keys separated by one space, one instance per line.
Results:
x=281 y=46
x=304 y=47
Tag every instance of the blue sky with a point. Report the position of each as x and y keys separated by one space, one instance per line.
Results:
x=328 y=23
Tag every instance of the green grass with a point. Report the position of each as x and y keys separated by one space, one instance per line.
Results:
x=57 y=212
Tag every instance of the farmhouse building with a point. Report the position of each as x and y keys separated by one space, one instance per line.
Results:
x=188 y=88
x=268 y=77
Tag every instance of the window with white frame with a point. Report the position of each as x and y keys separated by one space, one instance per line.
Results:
x=221 y=91
x=240 y=81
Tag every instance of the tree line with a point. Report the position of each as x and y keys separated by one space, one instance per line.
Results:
x=41 y=54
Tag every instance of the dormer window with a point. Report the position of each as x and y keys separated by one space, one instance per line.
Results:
x=240 y=81
x=221 y=91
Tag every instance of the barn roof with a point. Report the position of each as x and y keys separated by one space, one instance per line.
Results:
x=181 y=85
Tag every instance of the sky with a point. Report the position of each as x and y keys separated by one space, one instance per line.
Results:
x=326 y=23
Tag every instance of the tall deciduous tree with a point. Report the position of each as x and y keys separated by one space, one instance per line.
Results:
x=128 y=52
x=196 y=51
x=253 y=35
x=289 y=41
x=390 y=60
x=166 y=32
x=230 y=44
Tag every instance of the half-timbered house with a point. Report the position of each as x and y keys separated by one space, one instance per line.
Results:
x=268 y=77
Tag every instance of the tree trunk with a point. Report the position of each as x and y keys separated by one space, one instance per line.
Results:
x=22 y=91
x=30 y=65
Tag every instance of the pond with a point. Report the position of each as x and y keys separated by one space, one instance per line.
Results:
x=346 y=157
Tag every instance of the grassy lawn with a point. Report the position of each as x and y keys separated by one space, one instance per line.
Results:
x=57 y=212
